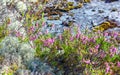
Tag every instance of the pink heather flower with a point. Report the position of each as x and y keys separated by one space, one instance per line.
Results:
x=92 y=40
x=37 y=25
x=107 y=67
x=102 y=54
x=49 y=41
x=114 y=34
x=93 y=51
x=97 y=46
x=18 y=34
x=113 y=51
x=43 y=23
x=32 y=38
x=84 y=39
x=78 y=35
x=105 y=34
x=86 y=61
x=60 y=37
x=32 y=28
x=71 y=38
x=118 y=64
x=39 y=33
x=46 y=32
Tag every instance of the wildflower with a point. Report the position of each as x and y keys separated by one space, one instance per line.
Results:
x=32 y=28
x=105 y=34
x=114 y=34
x=43 y=23
x=60 y=37
x=118 y=64
x=113 y=51
x=107 y=67
x=46 y=32
x=93 y=50
x=86 y=61
x=39 y=33
x=102 y=54
x=84 y=39
x=78 y=35
x=97 y=46
x=71 y=38
x=49 y=41
x=32 y=38
x=37 y=25
x=18 y=34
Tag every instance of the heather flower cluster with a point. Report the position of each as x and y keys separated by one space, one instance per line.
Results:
x=48 y=41
x=91 y=50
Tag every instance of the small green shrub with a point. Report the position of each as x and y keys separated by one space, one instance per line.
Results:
x=78 y=53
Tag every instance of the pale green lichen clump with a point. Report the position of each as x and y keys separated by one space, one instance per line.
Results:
x=12 y=46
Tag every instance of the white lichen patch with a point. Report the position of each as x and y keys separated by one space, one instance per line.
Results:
x=21 y=6
x=14 y=26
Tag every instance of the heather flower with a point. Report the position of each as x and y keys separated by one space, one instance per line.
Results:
x=93 y=51
x=60 y=37
x=78 y=35
x=18 y=34
x=84 y=39
x=32 y=38
x=107 y=67
x=32 y=28
x=102 y=54
x=71 y=38
x=46 y=32
x=118 y=64
x=105 y=34
x=97 y=46
x=39 y=33
x=37 y=25
x=49 y=41
x=86 y=61
x=114 y=34
x=43 y=23
x=113 y=51
x=92 y=39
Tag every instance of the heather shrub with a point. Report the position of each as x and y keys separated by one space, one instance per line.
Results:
x=70 y=53
x=79 y=53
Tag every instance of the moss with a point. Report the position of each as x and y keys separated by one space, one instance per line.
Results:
x=70 y=3
x=53 y=18
x=104 y=26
